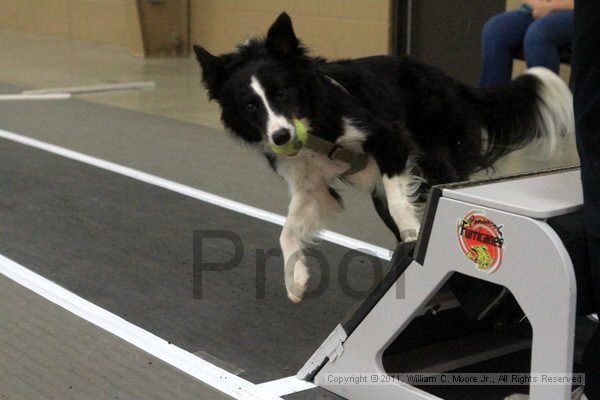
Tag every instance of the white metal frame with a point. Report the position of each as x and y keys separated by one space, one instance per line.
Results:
x=536 y=268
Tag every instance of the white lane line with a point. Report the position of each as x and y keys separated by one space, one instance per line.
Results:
x=21 y=97
x=333 y=237
x=103 y=87
x=204 y=371
x=285 y=386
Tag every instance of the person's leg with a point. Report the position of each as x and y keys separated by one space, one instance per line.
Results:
x=545 y=37
x=501 y=39
x=585 y=63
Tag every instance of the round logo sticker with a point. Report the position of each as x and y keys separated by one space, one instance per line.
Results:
x=481 y=241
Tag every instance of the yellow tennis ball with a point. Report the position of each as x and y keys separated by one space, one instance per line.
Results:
x=293 y=146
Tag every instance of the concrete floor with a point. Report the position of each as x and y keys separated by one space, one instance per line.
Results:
x=41 y=61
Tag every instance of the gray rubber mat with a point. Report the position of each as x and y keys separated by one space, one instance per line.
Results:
x=127 y=246
x=191 y=154
x=49 y=353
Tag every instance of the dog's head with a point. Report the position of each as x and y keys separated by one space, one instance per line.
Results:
x=263 y=86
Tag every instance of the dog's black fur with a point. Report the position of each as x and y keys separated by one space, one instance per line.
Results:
x=405 y=109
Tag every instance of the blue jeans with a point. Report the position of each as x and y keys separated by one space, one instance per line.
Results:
x=508 y=34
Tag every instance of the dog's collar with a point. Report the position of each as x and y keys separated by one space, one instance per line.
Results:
x=357 y=161
x=335 y=83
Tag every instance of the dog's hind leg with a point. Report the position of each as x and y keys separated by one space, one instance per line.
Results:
x=395 y=153
x=399 y=191
x=383 y=211
x=402 y=192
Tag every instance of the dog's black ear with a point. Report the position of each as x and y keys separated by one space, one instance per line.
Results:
x=206 y=60
x=212 y=69
x=281 y=38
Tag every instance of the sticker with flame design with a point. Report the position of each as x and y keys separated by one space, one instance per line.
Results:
x=481 y=241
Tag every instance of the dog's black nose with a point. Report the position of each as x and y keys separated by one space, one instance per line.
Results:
x=281 y=136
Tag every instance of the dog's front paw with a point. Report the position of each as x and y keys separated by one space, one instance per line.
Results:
x=301 y=276
x=295 y=294
x=294 y=298
x=296 y=289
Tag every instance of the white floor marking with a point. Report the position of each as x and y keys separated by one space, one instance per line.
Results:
x=342 y=240
x=204 y=371
x=104 y=87
x=21 y=97
x=285 y=386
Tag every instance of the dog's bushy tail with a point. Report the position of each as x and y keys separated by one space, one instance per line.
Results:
x=536 y=106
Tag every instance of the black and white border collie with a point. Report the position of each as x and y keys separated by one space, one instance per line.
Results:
x=416 y=126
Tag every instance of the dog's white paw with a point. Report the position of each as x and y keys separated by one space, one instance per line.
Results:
x=301 y=276
x=296 y=290
x=295 y=294
x=293 y=298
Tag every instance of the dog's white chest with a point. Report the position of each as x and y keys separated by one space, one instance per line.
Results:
x=309 y=169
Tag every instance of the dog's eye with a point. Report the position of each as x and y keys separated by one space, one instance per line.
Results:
x=282 y=94
x=250 y=108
